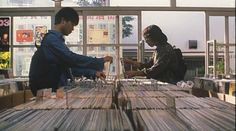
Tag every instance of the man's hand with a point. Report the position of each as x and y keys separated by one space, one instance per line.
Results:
x=108 y=59
x=100 y=75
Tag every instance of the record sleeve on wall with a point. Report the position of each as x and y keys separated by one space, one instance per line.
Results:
x=40 y=32
x=24 y=36
x=4 y=33
x=4 y=42
x=4 y=60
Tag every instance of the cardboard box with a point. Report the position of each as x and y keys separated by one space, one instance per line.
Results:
x=5 y=102
x=18 y=98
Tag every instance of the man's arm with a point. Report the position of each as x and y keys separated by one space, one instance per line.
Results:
x=71 y=59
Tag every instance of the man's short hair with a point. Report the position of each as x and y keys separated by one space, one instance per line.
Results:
x=68 y=14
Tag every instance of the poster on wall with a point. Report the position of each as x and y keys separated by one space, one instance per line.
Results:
x=4 y=43
x=4 y=60
x=40 y=31
x=4 y=33
x=98 y=36
x=24 y=36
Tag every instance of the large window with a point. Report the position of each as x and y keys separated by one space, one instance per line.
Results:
x=206 y=3
x=180 y=27
x=26 y=3
x=219 y=31
x=26 y=31
x=112 y=27
x=139 y=3
x=232 y=48
x=30 y=29
x=98 y=3
x=129 y=29
x=101 y=29
x=217 y=28
x=232 y=29
x=21 y=60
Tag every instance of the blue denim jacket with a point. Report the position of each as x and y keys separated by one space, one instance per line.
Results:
x=50 y=63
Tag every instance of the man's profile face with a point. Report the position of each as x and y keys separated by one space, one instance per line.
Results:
x=68 y=27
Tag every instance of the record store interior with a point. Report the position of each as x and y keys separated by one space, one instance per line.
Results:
x=117 y=65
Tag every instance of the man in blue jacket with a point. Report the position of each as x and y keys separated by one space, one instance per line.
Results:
x=52 y=61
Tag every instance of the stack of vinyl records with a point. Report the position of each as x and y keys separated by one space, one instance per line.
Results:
x=43 y=104
x=136 y=103
x=208 y=119
x=144 y=105
x=168 y=107
x=158 y=120
x=82 y=93
x=148 y=99
x=139 y=84
x=91 y=103
x=156 y=94
x=141 y=94
x=149 y=85
x=147 y=103
x=73 y=103
x=99 y=97
x=200 y=103
x=185 y=119
x=94 y=83
x=64 y=120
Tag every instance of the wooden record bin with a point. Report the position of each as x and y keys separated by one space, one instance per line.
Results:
x=130 y=105
x=15 y=99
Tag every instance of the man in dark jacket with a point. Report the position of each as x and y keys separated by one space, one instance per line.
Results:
x=53 y=59
x=163 y=64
